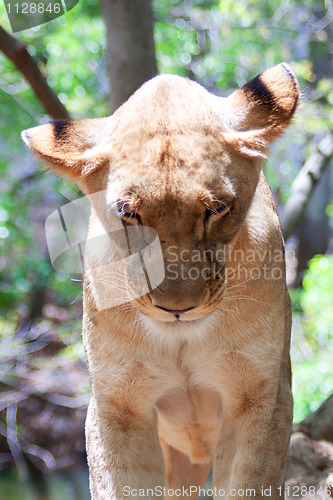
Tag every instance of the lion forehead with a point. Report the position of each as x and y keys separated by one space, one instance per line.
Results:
x=168 y=163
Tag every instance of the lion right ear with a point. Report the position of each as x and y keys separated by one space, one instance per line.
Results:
x=257 y=113
x=73 y=148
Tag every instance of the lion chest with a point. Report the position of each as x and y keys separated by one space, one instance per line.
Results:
x=189 y=419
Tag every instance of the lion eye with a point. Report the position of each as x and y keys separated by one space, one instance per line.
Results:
x=126 y=214
x=219 y=210
x=129 y=215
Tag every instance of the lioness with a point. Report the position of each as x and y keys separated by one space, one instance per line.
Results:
x=194 y=371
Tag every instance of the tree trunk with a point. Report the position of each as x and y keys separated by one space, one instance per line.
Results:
x=130 y=47
x=314 y=228
x=304 y=184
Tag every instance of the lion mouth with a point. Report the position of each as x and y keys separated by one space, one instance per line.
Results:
x=189 y=317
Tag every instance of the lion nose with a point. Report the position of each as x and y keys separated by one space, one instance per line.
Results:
x=174 y=304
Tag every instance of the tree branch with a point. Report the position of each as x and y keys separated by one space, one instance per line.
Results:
x=304 y=184
x=17 y=52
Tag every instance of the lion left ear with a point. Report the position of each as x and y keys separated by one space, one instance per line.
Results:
x=259 y=112
x=72 y=148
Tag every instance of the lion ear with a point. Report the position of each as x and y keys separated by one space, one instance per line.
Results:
x=73 y=148
x=259 y=112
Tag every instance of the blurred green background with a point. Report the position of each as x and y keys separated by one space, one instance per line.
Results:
x=220 y=44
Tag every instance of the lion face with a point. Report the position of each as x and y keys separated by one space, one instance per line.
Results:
x=183 y=164
x=185 y=187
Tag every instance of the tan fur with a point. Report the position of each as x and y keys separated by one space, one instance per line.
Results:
x=196 y=372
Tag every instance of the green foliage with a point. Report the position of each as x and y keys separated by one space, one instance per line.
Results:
x=69 y=51
x=313 y=337
x=317 y=300
x=312 y=383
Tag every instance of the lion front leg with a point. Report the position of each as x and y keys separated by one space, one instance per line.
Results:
x=250 y=457
x=124 y=456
